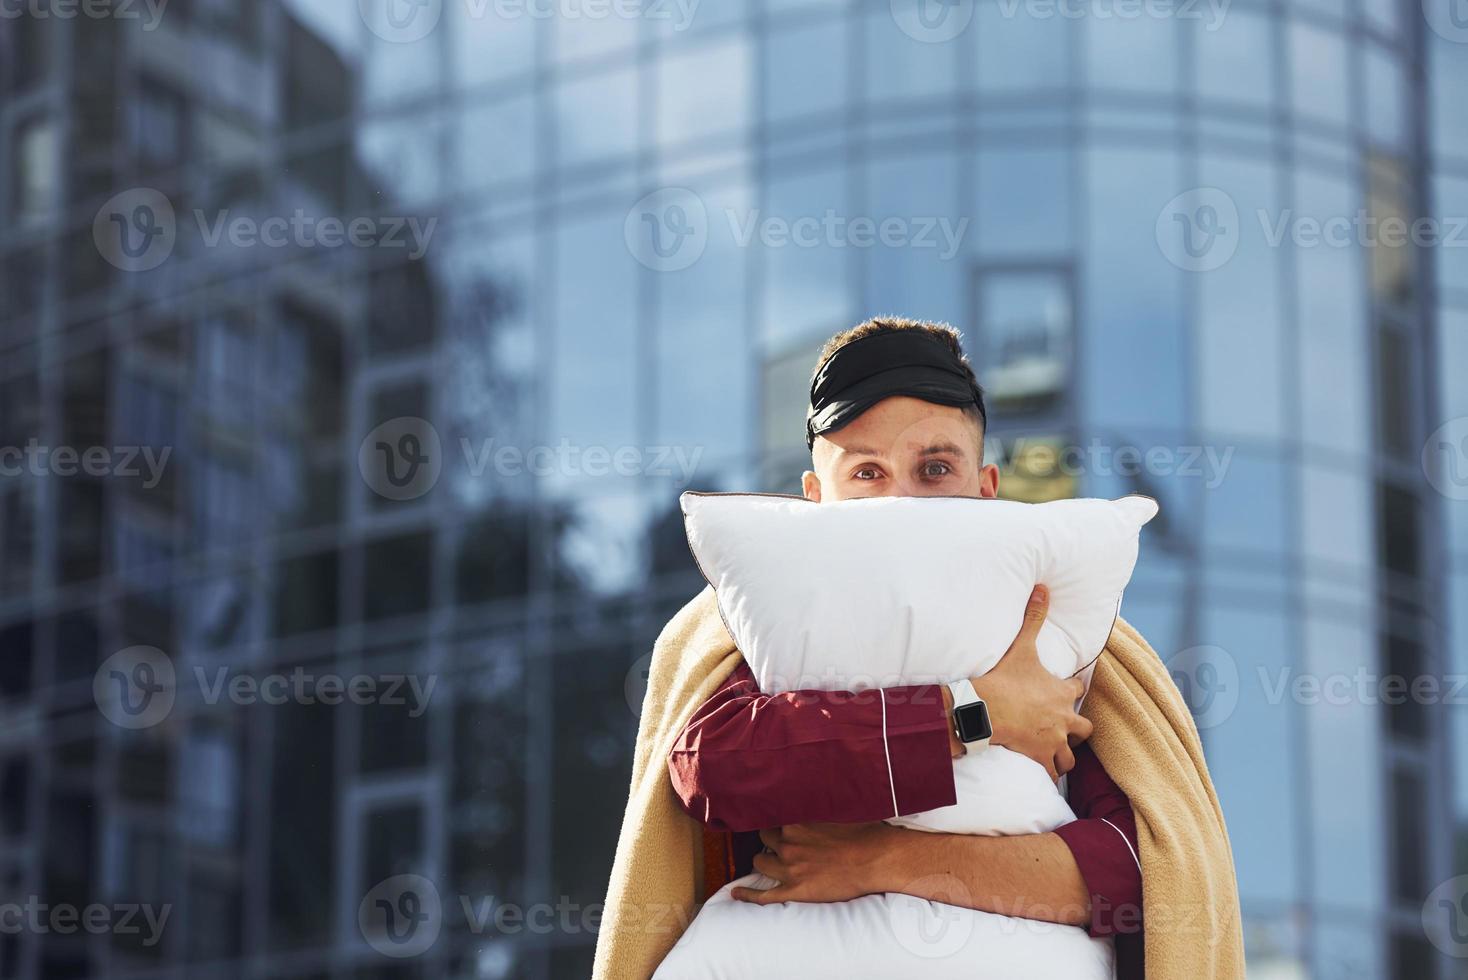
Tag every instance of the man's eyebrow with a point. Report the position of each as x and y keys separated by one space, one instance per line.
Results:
x=939 y=448
x=857 y=451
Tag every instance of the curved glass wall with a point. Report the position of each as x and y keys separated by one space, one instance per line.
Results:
x=1161 y=227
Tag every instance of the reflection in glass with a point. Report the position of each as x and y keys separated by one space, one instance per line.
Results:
x=1023 y=338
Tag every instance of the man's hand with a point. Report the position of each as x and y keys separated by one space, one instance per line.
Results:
x=1032 y=710
x=1032 y=876
x=822 y=862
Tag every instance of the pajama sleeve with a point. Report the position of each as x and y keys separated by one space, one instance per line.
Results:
x=748 y=761
x=1103 y=840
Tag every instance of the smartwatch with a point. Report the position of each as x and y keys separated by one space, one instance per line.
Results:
x=970 y=715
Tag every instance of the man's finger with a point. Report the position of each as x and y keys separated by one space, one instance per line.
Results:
x=772 y=839
x=771 y=866
x=1080 y=729
x=1077 y=687
x=754 y=896
x=1035 y=612
x=1065 y=760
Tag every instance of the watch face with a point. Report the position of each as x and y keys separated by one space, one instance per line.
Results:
x=972 y=722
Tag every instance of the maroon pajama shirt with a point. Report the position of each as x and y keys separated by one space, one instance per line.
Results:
x=748 y=762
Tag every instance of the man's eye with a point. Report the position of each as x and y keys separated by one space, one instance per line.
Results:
x=936 y=470
x=865 y=473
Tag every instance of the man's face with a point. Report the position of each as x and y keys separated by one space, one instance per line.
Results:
x=901 y=447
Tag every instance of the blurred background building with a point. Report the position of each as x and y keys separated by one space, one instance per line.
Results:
x=1085 y=163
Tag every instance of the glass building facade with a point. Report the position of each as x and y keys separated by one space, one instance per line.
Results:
x=605 y=245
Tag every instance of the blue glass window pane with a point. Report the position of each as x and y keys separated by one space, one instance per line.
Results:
x=1249 y=739
x=703 y=355
x=805 y=70
x=581 y=37
x=1387 y=113
x=807 y=289
x=1235 y=62
x=596 y=116
x=1132 y=322
x=1016 y=51
x=1239 y=311
x=1244 y=500
x=902 y=67
x=594 y=365
x=486 y=48
x=1348 y=857
x=919 y=269
x=1024 y=201
x=1319 y=81
x=1450 y=207
x=1447 y=80
x=704 y=90
x=1330 y=293
x=1138 y=54
x=495 y=141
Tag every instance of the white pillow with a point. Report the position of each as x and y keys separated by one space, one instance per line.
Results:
x=877 y=937
x=901 y=590
x=887 y=591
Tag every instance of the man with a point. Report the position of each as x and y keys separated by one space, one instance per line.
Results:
x=802 y=780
